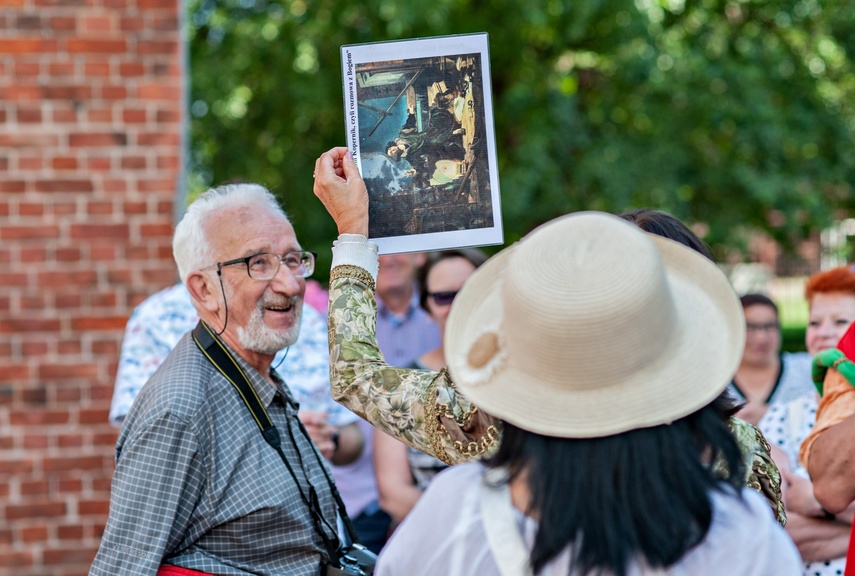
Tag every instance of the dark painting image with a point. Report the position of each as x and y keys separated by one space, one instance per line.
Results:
x=423 y=144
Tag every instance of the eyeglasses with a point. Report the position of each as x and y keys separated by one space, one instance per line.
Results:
x=264 y=265
x=443 y=298
x=752 y=328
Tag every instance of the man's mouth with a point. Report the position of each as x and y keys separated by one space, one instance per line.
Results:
x=284 y=307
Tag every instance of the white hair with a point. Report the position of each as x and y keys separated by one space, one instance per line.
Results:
x=190 y=246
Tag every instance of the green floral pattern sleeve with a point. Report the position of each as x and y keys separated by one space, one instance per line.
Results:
x=419 y=407
x=761 y=473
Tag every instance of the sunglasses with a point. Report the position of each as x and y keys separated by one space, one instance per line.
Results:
x=443 y=298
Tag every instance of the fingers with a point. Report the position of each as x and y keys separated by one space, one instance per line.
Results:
x=349 y=166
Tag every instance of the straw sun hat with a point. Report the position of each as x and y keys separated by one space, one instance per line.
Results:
x=591 y=327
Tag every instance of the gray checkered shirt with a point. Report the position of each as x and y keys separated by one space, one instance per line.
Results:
x=197 y=486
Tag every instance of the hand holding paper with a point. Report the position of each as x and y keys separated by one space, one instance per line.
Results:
x=342 y=191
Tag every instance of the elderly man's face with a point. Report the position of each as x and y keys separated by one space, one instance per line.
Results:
x=263 y=315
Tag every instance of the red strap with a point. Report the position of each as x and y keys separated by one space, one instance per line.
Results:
x=850 y=555
x=167 y=570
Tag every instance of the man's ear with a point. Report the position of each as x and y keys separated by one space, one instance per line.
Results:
x=204 y=289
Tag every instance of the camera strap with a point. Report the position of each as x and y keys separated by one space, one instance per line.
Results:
x=215 y=351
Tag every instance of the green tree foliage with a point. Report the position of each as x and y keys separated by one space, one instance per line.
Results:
x=734 y=115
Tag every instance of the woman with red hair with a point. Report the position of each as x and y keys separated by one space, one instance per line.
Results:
x=822 y=537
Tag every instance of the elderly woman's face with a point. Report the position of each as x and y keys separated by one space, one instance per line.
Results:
x=831 y=314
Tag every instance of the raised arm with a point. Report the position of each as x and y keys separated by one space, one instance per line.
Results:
x=419 y=407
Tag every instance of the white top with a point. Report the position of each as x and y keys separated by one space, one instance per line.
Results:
x=444 y=534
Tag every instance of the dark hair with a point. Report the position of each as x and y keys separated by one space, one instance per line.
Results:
x=474 y=256
x=640 y=494
x=667 y=226
x=757 y=300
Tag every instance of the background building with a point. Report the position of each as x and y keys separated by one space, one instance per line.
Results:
x=91 y=125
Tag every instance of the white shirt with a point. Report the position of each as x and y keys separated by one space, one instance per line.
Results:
x=444 y=534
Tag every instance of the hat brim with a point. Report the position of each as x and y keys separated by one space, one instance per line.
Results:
x=699 y=363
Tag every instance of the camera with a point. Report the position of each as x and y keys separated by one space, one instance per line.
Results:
x=353 y=560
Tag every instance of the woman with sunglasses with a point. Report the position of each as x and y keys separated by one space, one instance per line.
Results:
x=403 y=473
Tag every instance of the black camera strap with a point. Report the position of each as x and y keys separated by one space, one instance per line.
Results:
x=216 y=352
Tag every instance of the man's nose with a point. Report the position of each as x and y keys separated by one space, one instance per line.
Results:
x=284 y=281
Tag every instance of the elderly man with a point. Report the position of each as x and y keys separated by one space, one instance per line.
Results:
x=196 y=486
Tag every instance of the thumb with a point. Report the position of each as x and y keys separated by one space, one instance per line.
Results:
x=349 y=165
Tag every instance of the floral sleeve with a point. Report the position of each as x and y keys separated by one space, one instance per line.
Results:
x=419 y=407
x=761 y=472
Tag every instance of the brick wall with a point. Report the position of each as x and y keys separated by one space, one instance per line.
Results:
x=91 y=124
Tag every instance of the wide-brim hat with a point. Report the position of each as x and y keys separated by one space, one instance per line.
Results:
x=591 y=327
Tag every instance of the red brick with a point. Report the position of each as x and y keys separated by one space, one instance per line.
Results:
x=70 y=440
x=64 y=186
x=63 y=23
x=28 y=232
x=62 y=371
x=87 y=231
x=98 y=23
x=31 y=254
x=69 y=532
x=35 y=510
x=29 y=115
x=69 y=555
x=97 y=69
x=30 y=209
x=65 y=163
x=13 y=372
x=93 y=507
x=25 y=69
x=133 y=163
x=17 y=279
x=68 y=92
x=12 y=186
x=92 y=139
x=99 y=208
x=159 y=91
x=22 y=139
x=67 y=254
x=100 y=115
x=15 y=467
x=100 y=46
x=76 y=463
x=18 y=325
x=69 y=348
x=65 y=115
x=131 y=69
x=134 y=116
x=67 y=301
x=158 y=47
x=28 y=46
x=133 y=208
x=34 y=348
x=31 y=163
x=60 y=69
x=34 y=533
x=155 y=230
x=101 y=299
x=159 y=139
x=99 y=323
x=68 y=279
x=39 y=417
x=16 y=558
x=33 y=442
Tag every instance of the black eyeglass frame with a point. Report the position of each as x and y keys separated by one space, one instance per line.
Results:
x=245 y=262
